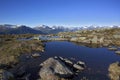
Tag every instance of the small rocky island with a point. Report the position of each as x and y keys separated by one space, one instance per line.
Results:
x=114 y=71
x=60 y=68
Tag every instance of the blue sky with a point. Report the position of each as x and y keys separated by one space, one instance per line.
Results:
x=60 y=12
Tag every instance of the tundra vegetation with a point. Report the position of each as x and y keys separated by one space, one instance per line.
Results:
x=11 y=48
x=104 y=37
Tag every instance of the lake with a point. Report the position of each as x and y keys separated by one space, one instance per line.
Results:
x=97 y=59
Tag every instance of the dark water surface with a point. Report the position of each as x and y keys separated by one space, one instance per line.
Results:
x=96 y=59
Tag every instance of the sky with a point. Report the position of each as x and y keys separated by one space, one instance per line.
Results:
x=60 y=12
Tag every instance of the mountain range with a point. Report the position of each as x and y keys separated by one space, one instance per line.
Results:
x=43 y=29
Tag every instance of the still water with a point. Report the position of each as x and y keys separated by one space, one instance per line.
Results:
x=96 y=59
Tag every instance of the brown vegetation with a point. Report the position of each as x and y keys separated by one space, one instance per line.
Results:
x=114 y=71
x=11 y=49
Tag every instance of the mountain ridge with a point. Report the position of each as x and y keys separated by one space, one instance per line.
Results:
x=44 y=29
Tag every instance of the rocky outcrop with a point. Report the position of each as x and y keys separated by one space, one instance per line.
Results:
x=53 y=69
x=59 y=68
x=114 y=71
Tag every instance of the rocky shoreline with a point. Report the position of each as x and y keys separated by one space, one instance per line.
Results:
x=54 y=68
x=114 y=71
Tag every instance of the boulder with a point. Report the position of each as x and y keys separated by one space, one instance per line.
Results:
x=117 y=52
x=82 y=64
x=68 y=61
x=114 y=71
x=54 y=69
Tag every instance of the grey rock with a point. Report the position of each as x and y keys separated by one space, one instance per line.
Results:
x=55 y=57
x=80 y=62
x=112 y=48
x=78 y=67
x=35 y=55
x=68 y=61
x=61 y=58
x=117 y=52
x=54 y=69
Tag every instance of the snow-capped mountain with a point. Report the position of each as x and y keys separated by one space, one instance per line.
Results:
x=22 y=29
x=14 y=29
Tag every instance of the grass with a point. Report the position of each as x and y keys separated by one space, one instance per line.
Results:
x=11 y=49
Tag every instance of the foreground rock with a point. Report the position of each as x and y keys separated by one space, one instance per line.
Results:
x=53 y=69
x=58 y=69
x=114 y=71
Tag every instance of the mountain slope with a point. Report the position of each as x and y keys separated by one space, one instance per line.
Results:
x=18 y=30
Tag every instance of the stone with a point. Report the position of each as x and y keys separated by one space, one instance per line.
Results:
x=61 y=58
x=114 y=71
x=105 y=45
x=112 y=48
x=35 y=55
x=117 y=52
x=78 y=67
x=74 y=39
x=82 y=64
x=55 y=57
x=68 y=61
x=54 y=69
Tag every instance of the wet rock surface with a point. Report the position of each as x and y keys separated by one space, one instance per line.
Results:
x=58 y=68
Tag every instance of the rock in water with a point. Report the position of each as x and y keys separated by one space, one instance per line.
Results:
x=53 y=69
x=36 y=55
x=114 y=71
x=78 y=67
x=117 y=52
x=112 y=48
